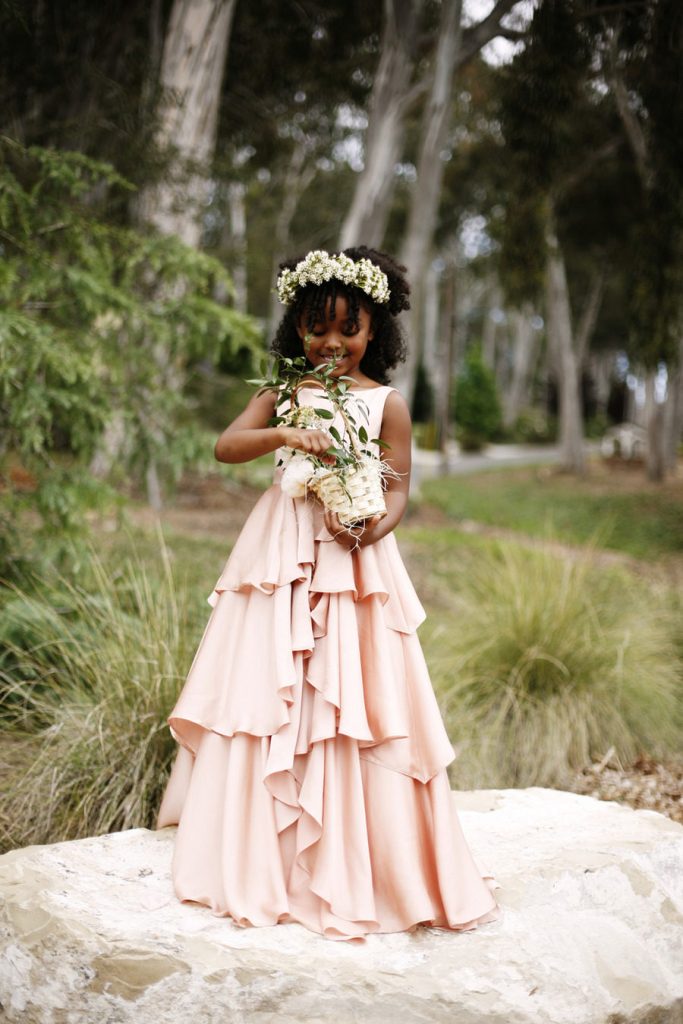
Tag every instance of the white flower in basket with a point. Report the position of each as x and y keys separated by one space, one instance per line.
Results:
x=297 y=473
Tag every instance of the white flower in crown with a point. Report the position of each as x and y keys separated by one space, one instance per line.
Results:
x=318 y=266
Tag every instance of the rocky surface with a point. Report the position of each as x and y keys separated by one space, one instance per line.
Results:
x=591 y=932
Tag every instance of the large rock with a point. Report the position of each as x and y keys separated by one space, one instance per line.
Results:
x=592 y=931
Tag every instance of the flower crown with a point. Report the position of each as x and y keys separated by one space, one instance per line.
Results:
x=319 y=266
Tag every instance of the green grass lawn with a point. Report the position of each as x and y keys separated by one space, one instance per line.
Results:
x=624 y=513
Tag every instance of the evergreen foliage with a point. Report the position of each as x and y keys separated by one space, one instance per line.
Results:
x=477 y=408
x=85 y=308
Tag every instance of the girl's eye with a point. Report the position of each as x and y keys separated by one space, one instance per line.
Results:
x=348 y=329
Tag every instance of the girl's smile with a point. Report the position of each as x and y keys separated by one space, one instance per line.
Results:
x=339 y=340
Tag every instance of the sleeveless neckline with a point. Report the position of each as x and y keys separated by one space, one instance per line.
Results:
x=319 y=387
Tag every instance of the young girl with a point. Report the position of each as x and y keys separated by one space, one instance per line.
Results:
x=310 y=783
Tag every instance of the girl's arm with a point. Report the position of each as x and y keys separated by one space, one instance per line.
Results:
x=249 y=435
x=397 y=432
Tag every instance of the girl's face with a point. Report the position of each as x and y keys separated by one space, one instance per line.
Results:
x=339 y=340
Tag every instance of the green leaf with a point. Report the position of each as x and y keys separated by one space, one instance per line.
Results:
x=363 y=435
x=380 y=442
x=324 y=414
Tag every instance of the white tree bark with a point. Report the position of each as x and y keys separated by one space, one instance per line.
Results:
x=301 y=171
x=655 y=461
x=490 y=328
x=425 y=196
x=448 y=349
x=601 y=365
x=233 y=246
x=192 y=70
x=391 y=96
x=237 y=212
x=559 y=324
x=431 y=352
x=524 y=341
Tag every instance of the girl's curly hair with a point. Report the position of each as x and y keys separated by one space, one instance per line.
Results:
x=387 y=347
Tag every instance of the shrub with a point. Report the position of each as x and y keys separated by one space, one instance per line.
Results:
x=534 y=426
x=550 y=662
x=477 y=409
x=98 y=326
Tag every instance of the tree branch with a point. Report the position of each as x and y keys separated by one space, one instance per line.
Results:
x=590 y=312
x=515 y=35
x=632 y=126
x=477 y=36
x=567 y=183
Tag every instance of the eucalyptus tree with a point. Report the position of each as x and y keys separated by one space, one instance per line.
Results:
x=640 y=50
x=423 y=44
x=192 y=68
x=560 y=138
x=394 y=90
x=456 y=48
x=285 y=124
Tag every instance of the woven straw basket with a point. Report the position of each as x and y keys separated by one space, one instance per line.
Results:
x=353 y=492
x=356 y=495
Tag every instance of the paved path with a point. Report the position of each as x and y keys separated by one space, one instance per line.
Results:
x=427 y=465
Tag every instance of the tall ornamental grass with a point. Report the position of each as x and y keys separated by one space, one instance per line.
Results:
x=546 y=662
x=87 y=679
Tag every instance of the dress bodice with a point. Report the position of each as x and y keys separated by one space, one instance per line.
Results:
x=368 y=412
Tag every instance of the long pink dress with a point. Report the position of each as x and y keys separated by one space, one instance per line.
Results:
x=310 y=784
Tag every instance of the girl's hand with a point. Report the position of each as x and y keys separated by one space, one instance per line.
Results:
x=351 y=537
x=316 y=442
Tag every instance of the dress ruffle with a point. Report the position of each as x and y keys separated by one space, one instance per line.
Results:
x=311 y=782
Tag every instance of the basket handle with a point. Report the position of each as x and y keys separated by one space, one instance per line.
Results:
x=349 y=428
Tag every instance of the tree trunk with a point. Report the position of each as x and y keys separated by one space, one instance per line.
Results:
x=192 y=70
x=427 y=191
x=431 y=353
x=523 y=351
x=390 y=100
x=563 y=355
x=300 y=173
x=232 y=246
x=238 y=237
x=490 y=329
x=674 y=419
x=447 y=351
x=601 y=366
x=654 y=419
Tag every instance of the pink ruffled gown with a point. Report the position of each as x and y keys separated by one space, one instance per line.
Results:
x=310 y=784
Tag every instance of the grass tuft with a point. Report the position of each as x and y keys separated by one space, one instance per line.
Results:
x=86 y=681
x=545 y=662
